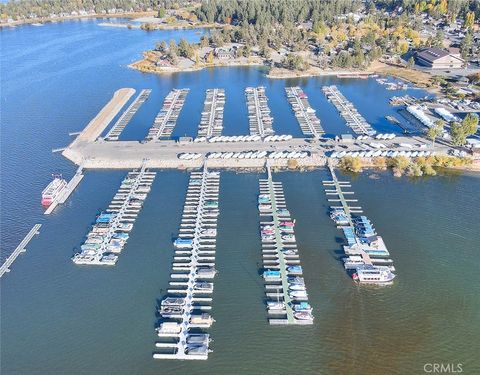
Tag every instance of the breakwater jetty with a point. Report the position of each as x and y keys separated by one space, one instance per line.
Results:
x=96 y=127
x=185 y=310
x=21 y=248
x=287 y=298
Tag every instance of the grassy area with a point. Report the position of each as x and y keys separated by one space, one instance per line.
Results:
x=419 y=78
x=400 y=165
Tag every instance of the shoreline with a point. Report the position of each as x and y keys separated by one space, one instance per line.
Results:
x=170 y=70
x=377 y=68
x=130 y=15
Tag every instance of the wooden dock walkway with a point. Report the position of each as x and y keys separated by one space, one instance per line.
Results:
x=19 y=249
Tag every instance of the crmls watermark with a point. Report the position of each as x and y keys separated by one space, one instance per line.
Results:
x=443 y=368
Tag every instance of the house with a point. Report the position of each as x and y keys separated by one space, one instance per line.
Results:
x=436 y=58
x=225 y=53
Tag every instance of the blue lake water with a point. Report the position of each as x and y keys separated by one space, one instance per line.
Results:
x=59 y=318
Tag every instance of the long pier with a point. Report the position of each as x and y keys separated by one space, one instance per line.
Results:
x=126 y=116
x=166 y=119
x=347 y=110
x=365 y=249
x=71 y=186
x=184 y=311
x=287 y=299
x=305 y=114
x=21 y=248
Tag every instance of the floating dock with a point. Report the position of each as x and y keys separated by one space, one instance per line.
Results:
x=260 y=121
x=71 y=186
x=305 y=114
x=348 y=111
x=366 y=251
x=111 y=229
x=211 y=123
x=185 y=310
x=287 y=298
x=126 y=116
x=21 y=248
x=166 y=119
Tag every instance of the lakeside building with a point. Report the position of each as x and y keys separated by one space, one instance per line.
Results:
x=436 y=58
x=225 y=53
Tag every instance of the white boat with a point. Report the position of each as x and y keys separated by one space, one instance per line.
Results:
x=377 y=275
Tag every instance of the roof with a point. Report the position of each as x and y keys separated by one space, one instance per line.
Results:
x=432 y=54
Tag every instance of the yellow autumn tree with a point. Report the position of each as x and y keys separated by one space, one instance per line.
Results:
x=210 y=58
x=469 y=20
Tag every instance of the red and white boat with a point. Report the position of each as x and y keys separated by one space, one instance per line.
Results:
x=53 y=190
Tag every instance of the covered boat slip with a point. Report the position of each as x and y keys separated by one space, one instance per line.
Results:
x=347 y=110
x=305 y=114
x=211 y=122
x=184 y=312
x=287 y=298
x=126 y=116
x=259 y=118
x=110 y=232
x=166 y=119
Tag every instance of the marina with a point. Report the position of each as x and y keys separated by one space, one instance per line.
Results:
x=21 y=248
x=111 y=230
x=184 y=312
x=126 y=116
x=211 y=122
x=286 y=294
x=259 y=118
x=305 y=114
x=348 y=111
x=166 y=119
x=366 y=255
x=102 y=320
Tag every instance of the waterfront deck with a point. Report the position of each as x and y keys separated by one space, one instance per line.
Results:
x=21 y=248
